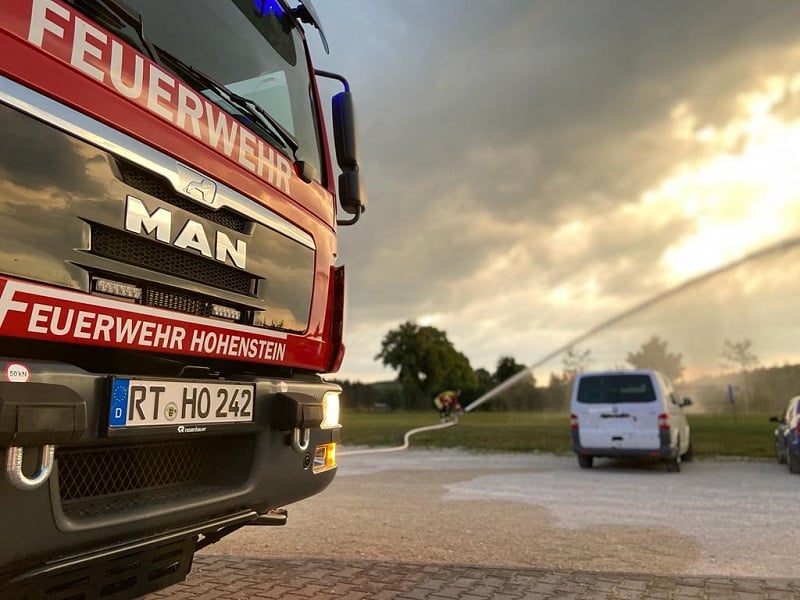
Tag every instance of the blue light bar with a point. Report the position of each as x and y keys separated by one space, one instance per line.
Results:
x=266 y=7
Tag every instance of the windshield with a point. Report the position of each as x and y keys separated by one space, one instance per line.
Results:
x=260 y=58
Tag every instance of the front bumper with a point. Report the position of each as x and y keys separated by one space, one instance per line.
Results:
x=114 y=491
x=130 y=570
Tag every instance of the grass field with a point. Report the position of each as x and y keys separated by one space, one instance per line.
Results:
x=712 y=435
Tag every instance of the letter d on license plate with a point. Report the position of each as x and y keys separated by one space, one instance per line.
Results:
x=139 y=403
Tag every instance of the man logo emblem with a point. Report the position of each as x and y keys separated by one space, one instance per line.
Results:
x=195 y=185
x=186 y=234
x=203 y=190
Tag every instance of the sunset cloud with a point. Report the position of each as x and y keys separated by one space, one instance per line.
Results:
x=536 y=167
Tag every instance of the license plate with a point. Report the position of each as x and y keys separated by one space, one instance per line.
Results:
x=143 y=403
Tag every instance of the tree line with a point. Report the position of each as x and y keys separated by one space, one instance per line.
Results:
x=427 y=362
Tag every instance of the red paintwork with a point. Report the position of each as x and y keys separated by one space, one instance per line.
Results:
x=40 y=312
x=311 y=207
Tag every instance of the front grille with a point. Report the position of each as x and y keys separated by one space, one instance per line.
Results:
x=84 y=474
x=99 y=482
x=160 y=188
x=150 y=254
x=179 y=302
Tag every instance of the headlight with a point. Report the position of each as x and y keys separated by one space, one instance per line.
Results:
x=330 y=410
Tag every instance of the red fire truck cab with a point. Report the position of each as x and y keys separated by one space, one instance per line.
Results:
x=169 y=293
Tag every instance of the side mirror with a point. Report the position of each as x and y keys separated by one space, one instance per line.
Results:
x=344 y=131
x=687 y=402
x=351 y=192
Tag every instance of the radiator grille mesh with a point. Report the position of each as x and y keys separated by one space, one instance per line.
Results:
x=180 y=302
x=86 y=474
x=150 y=254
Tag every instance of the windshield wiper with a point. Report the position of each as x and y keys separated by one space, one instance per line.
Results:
x=105 y=10
x=242 y=102
x=249 y=107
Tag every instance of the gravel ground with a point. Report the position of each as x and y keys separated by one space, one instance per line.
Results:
x=716 y=517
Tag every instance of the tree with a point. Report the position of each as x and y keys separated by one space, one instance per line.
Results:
x=426 y=362
x=507 y=367
x=555 y=396
x=485 y=383
x=517 y=395
x=653 y=355
x=575 y=361
x=739 y=354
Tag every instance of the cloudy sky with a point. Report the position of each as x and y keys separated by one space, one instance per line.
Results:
x=537 y=167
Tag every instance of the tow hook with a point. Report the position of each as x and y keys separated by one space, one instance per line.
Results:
x=296 y=443
x=18 y=479
x=298 y=413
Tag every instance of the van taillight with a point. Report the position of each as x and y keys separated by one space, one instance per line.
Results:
x=573 y=421
x=663 y=422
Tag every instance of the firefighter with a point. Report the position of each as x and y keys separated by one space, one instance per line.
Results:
x=446 y=403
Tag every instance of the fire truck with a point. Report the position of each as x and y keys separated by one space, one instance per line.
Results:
x=170 y=297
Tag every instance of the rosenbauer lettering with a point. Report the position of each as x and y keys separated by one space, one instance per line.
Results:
x=66 y=35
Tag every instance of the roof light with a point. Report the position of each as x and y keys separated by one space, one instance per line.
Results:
x=267 y=7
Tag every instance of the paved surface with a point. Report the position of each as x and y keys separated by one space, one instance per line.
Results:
x=233 y=578
x=524 y=527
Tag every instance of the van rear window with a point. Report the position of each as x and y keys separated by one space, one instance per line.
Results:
x=611 y=389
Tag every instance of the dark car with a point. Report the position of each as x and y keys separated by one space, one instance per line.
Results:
x=787 y=436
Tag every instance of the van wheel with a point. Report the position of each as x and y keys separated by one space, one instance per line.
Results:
x=689 y=454
x=584 y=461
x=794 y=462
x=674 y=464
x=781 y=457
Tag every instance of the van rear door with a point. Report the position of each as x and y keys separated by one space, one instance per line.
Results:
x=617 y=411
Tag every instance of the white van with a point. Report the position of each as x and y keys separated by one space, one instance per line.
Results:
x=628 y=413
